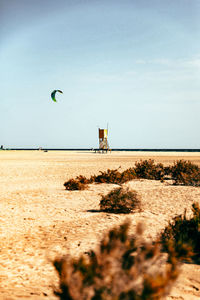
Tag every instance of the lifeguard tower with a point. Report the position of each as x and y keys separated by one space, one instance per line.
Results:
x=103 y=139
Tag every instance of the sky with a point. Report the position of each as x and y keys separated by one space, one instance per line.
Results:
x=131 y=64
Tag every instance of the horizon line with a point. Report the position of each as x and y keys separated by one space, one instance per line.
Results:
x=114 y=149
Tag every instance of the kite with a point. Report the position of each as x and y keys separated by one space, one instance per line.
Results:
x=54 y=93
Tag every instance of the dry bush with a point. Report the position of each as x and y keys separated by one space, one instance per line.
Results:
x=115 y=177
x=128 y=175
x=83 y=179
x=144 y=169
x=74 y=184
x=185 y=173
x=109 y=176
x=167 y=171
x=122 y=268
x=183 y=234
x=182 y=172
x=120 y=200
x=149 y=170
x=80 y=183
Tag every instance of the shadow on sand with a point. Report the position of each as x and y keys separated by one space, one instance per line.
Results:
x=94 y=210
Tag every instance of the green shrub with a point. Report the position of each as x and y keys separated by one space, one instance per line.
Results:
x=184 y=235
x=122 y=268
x=120 y=200
x=185 y=173
x=149 y=170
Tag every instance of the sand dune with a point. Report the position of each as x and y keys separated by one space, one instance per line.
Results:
x=40 y=219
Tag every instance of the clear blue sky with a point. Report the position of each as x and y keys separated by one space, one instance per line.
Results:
x=132 y=63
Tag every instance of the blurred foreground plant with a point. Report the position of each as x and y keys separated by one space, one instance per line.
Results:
x=183 y=234
x=122 y=268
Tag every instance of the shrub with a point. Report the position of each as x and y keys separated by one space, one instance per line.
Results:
x=149 y=170
x=122 y=268
x=114 y=176
x=83 y=179
x=185 y=173
x=80 y=183
x=167 y=173
x=183 y=234
x=128 y=175
x=74 y=184
x=109 y=176
x=120 y=200
x=182 y=172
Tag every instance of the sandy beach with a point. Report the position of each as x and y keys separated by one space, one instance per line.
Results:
x=40 y=220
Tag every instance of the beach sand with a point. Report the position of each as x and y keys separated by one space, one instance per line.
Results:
x=40 y=220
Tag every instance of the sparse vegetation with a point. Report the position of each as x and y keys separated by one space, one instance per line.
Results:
x=109 y=176
x=74 y=184
x=182 y=173
x=80 y=183
x=128 y=175
x=120 y=200
x=185 y=173
x=114 y=176
x=149 y=170
x=122 y=268
x=83 y=179
x=183 y=235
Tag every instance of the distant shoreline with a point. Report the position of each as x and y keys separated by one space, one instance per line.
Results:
x=115 y=149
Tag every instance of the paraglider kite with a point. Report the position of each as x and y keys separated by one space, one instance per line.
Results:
x=54 y=93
